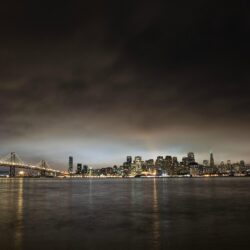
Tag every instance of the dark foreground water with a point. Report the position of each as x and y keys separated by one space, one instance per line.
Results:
x=211 y=213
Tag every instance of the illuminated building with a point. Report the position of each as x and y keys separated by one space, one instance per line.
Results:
x=150 y=165
x=85 y=169
x=169 y=164
x=242 y=166
x=137 y=166
x=222 y=167
x=211 y=160
x=185 y=161
x=190 y=157
x=127 y=164
x=79 y=168
x=137 y=159
x=175 y=161
x=194 y=169
x=159 y=162
x=229 y=165
x=70 y=170
x=129 y=159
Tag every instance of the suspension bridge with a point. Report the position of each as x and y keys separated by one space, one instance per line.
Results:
x=13 y=162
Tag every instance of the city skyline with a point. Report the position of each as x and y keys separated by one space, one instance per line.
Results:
x=133 y=166
x=196 y=158
x=75 y=159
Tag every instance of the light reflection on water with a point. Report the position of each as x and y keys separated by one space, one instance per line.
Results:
x=156 y=217
x=126 y=214
x=11 y=213
x=19 y=216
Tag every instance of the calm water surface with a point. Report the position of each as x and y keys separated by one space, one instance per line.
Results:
x=210 y=213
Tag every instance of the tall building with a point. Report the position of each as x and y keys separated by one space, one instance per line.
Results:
x=229 y=165
x=150 y=165
x=242 y=163
x=221 y=167
x=175 y=161
x=137 y=159
x=70 y=170
x=79 y=168
x=211 y=160
x=190 y=157
x=242 y=166
x=168 y=164
x=185 y=161
x=85 y=169
x=137 y=166
x=168 y=160
x=129 y=159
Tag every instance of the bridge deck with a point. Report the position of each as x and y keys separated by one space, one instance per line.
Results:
x=27 y=166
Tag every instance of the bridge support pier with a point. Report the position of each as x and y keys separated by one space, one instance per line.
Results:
x=12 y=168
x=12 y=171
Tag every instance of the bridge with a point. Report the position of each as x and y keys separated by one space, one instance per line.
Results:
x=13 y=162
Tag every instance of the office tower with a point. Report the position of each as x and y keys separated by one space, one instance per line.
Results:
x=221 y=167
x=211 y=160
x=129 y=159
x=150 y=165
x=85 y=169
x=79 y=168
x=137 y=159
x=242 y=163
x=175 y=161
x=168 y=160
x=242 y=166
x=168 y=164
x=159 y=163
x=229 y=165
x=70 y=170
x=190 y=157
x=137 y=166
x=185 y=161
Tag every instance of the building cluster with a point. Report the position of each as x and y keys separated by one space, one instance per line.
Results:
x=163 y=166
x=80 y=168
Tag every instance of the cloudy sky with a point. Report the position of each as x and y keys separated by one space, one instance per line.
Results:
x=106 y=79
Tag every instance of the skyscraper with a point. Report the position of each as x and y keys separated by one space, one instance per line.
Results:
x=175 y=161
x=168 y=164
x=129 y=159
x=191 y=157
x=211 y=160
x=138 y=163
x=79 y=168
x=85 y=169
x=70 y=170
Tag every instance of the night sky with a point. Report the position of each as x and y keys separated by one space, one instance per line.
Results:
x=101 y=80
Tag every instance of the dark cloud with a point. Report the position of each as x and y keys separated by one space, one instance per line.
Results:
x=138 y=73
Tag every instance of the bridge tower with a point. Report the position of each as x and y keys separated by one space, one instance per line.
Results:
x=43 y=165
x=12 y=168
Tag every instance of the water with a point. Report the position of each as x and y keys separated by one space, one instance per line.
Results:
x=205 y=213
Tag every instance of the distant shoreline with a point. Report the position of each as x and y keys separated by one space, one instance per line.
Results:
x=120 y=177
